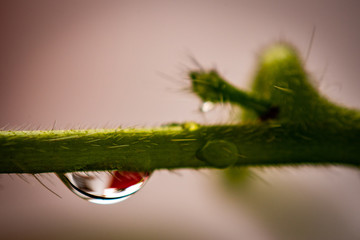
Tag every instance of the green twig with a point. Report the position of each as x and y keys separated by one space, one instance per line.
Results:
x=286 y=121
x=210 y=86
x=176 y=147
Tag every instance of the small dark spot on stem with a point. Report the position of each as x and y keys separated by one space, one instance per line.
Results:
x=272 y=113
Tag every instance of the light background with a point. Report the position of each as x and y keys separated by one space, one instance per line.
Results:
x=87 y=64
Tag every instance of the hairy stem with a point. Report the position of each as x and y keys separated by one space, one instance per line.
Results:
x=286 y=121
x=210 y=86
x=174 y=147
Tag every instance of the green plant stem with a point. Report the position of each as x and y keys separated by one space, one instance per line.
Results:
x=210 y=86
x=286 y=121
x=173 y=147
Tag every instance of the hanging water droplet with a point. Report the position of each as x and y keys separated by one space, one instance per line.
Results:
x=104 y=187
x=207 y=106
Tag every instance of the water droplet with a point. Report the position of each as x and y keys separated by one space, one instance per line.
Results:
x=207 y=106
x=104 y=187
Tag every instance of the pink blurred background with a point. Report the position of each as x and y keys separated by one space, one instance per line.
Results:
x=93 y=64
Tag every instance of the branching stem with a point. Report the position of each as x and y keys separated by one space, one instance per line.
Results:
x=210 y=86
x=286 y=121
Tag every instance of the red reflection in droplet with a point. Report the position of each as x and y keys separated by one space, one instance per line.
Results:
x=124 y=179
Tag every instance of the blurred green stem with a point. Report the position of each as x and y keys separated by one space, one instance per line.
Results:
x=286 y=121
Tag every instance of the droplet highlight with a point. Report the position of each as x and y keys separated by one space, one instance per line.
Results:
x=207 y=106
x=104 y=187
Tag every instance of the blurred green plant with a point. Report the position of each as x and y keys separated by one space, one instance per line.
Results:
x=285 y=122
